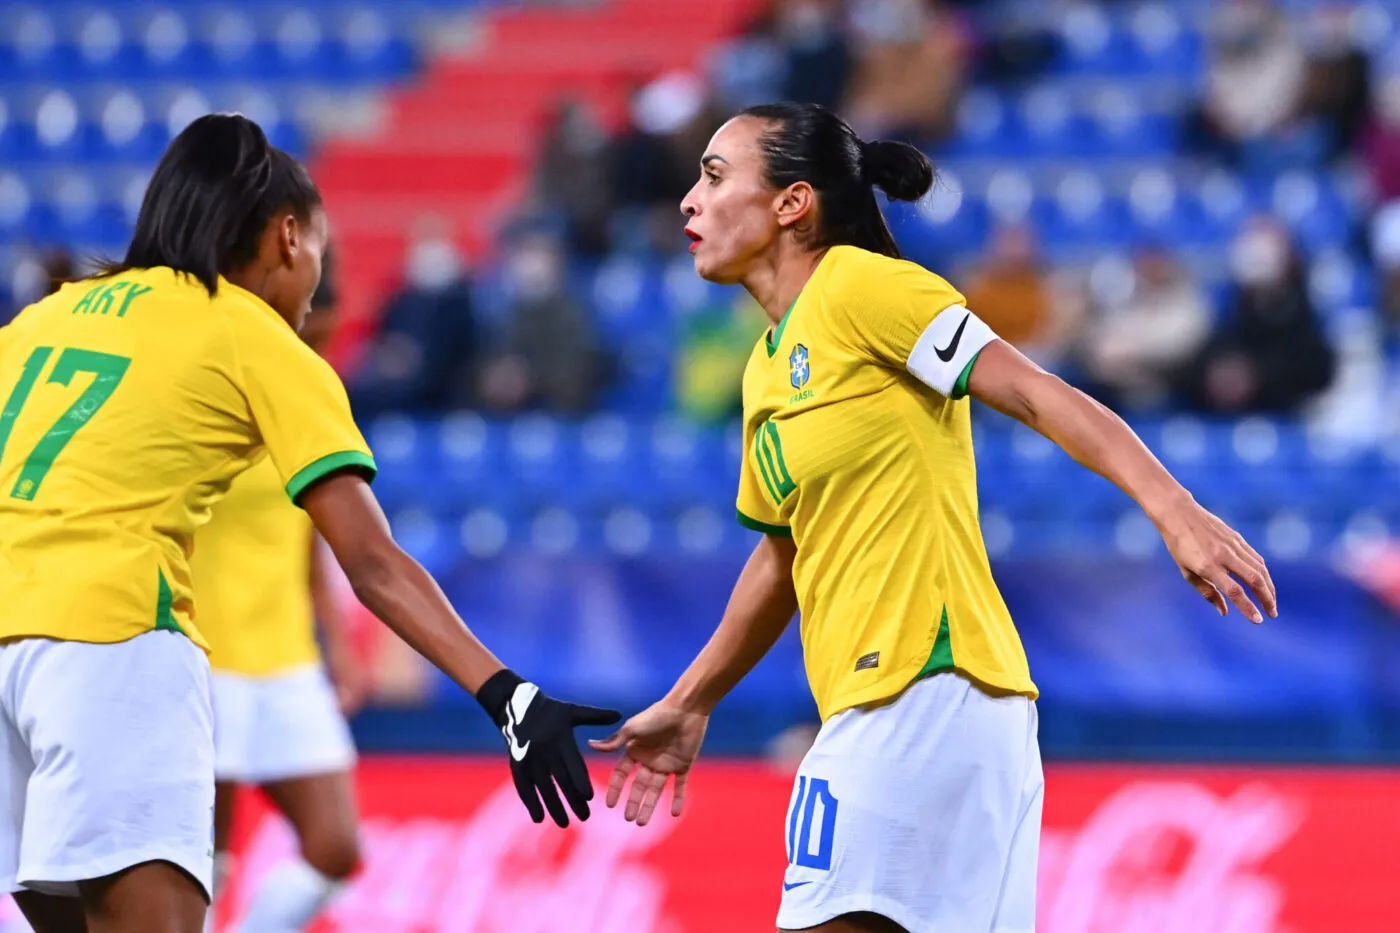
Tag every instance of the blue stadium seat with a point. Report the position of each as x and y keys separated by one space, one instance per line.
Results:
x=1164 y=41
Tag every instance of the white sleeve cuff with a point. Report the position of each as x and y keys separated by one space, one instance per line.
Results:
x=946 y=346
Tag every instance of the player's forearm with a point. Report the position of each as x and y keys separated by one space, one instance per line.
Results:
x=390 y=584
x=1087 y=430
x=407 y=599
x=760 y=607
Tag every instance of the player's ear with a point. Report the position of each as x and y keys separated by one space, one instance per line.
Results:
x=289 y=238
x=796 y=203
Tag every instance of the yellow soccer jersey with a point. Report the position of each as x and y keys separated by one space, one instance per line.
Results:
x=872 y=473
x=252 y=570
x=130 y=403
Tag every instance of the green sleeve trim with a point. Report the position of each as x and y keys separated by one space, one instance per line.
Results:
x=331 y=463
x=754 y=524
x=960 y=387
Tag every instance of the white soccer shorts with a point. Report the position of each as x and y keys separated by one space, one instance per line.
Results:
x=106 y=760
x=278 y=727
x=925 y=810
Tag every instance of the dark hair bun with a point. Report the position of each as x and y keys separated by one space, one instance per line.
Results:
x=898 y=169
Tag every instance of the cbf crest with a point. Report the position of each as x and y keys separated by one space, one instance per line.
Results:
x=801 y=366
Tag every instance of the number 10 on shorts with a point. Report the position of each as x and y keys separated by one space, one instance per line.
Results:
x=813 y=808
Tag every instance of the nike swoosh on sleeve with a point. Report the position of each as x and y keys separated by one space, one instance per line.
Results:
x=947 y=354
x=795 y=884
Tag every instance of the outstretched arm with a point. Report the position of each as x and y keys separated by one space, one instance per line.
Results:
x=665 y=739
x=1211 y=555
x=392 y=585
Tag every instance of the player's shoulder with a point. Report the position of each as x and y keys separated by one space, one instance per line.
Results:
x=254 y=325
x=862 y=270
x=862 y=279
x=64 y=296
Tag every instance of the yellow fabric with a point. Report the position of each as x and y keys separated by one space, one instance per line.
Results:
x=873 y=474
x=252 y=570
x=161 y=396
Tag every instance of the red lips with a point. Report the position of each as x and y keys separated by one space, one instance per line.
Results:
x=695 y=238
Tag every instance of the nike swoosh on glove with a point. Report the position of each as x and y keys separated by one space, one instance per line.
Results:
x=539 y=733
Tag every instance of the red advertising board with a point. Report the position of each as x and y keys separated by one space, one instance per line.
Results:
x=449 y=849
x=1125 y=850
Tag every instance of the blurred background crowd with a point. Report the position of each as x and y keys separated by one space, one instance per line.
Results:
x=1191 y=210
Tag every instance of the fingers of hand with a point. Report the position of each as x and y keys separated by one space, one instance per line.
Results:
x=619 y=780
x=1259 y=579
x=573 y=770
x=528 y=795
x=544 y=783
x=1251 y=570
x=1209 y=592
x=1230 y=588
x=576 y=795
x=635 y=797
x=594 y=716
x=611 y=744
x=678 y=794
x=655 y=786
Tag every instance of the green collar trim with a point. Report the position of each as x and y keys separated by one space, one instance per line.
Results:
x=775 y=334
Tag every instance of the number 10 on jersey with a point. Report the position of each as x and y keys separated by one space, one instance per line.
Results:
x=768 y=452
x=108 y=370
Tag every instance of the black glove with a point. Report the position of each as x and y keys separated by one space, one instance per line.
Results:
x=539 y=735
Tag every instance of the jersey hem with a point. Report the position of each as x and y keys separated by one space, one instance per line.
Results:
x=754 y=524
x=892 y=687
x=325 y=466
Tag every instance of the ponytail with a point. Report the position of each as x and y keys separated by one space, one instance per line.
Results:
x=807 y=142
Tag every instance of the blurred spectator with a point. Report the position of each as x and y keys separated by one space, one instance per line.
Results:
x=423 y=358
x=912 y=59
x=1255 y=81
x=571 y=178
x=1135 y=353
x=819 y=62
x=656 y=160
x=1270 y=353
x=1380 y=140
x=1016 y=48
x=1011 y=291
x=1385 y=247
x=714 y=349
x=549 y=356
x=751 y=68
x=1337 y=88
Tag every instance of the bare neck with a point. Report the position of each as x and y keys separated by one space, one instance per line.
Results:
x=780 y=277
x=251 y=278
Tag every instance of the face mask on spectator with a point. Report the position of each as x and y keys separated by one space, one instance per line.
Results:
x=802 y=22
x=1388 y=101
x=1259 y=257
x=535 y=272
x=433 y=264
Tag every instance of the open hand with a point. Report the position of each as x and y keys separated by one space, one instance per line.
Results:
x=658 y=742
x=1217 y=561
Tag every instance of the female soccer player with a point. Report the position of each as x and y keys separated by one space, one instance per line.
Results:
x=131 y=402
x=261 y=584
x=918 y=806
